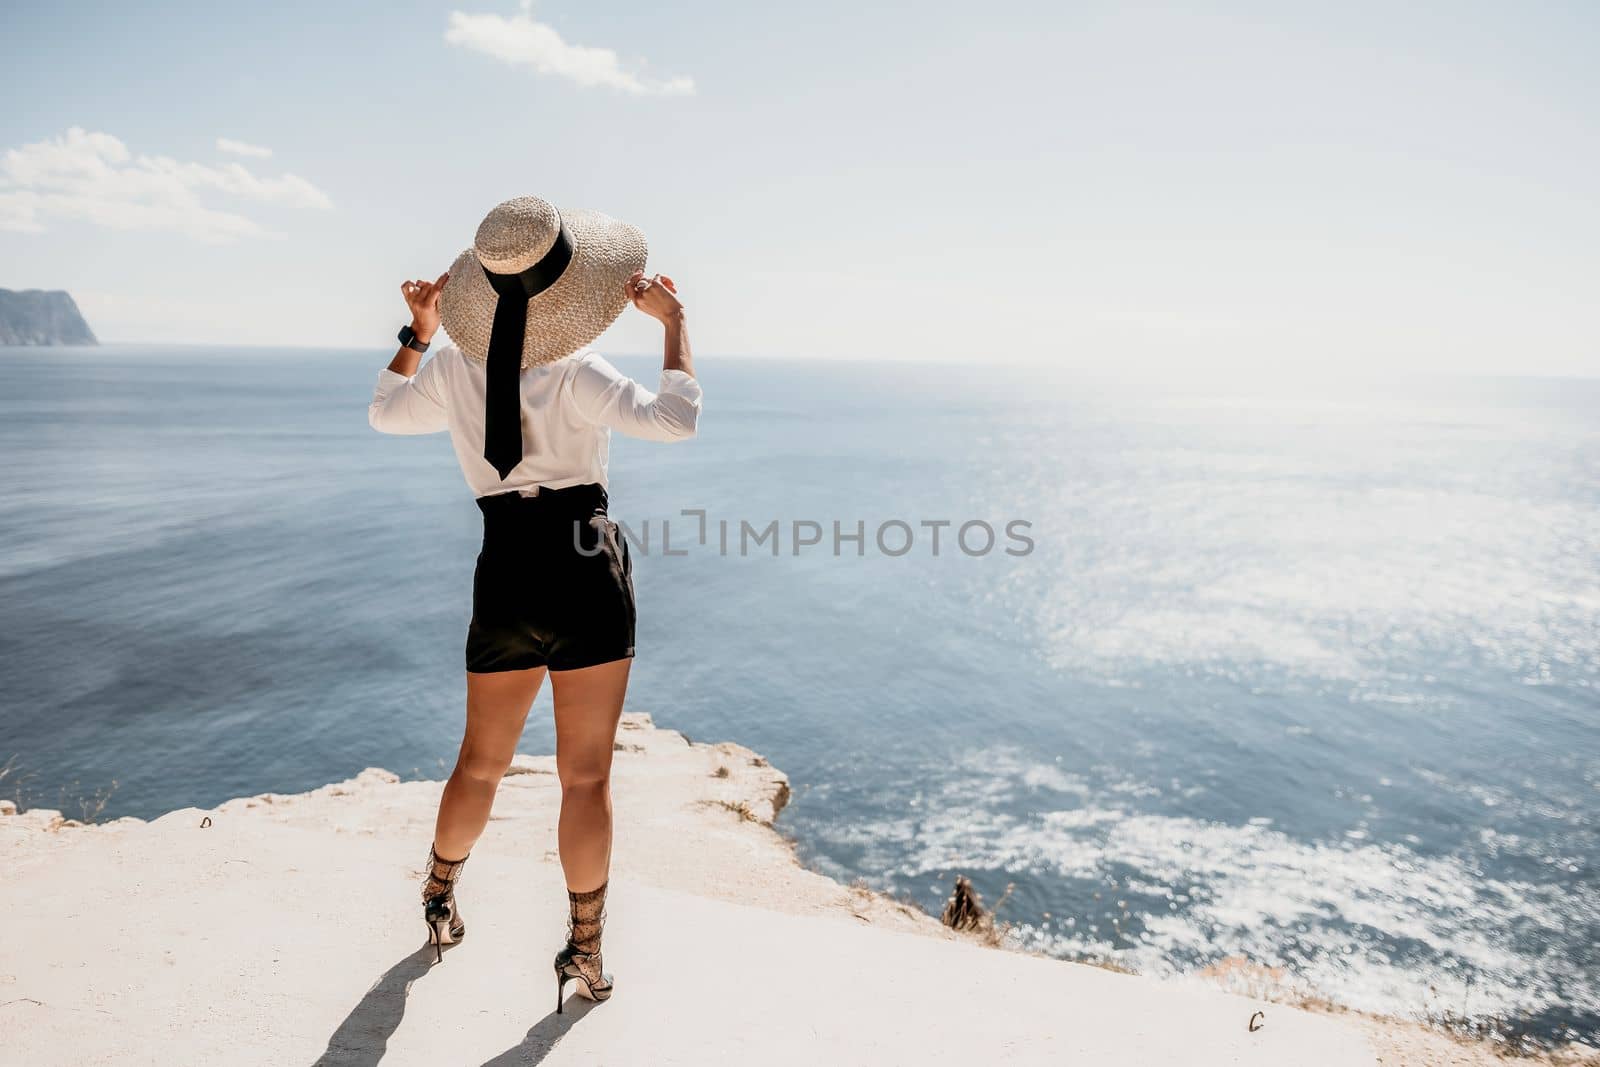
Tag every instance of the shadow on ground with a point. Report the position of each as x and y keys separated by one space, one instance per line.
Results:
x=362 y=1039
x=543 y=1036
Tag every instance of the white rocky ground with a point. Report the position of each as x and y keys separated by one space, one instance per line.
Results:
x=286 y=929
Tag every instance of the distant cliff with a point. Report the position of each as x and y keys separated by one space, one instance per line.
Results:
x=37 y=317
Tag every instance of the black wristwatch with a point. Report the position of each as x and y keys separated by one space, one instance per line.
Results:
x=408 y=337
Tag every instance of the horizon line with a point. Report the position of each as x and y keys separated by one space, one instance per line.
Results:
x=1113 y=363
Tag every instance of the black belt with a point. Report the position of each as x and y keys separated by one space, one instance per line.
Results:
x=569 y=498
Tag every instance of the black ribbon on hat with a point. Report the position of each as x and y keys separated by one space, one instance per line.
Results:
x=502 y=402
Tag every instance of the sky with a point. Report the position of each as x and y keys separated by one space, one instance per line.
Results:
x=1083 y=185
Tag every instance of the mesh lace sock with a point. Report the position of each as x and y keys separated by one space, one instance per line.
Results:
x=588 y=919
x=442 y=875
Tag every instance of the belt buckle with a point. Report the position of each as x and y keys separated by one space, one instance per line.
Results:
x=529 y=492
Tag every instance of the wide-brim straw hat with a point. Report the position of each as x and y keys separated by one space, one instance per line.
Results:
x=586 y=298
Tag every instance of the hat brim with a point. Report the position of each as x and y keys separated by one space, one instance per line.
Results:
x=583 y=302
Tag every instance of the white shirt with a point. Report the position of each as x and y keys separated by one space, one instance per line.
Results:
x=569 y=409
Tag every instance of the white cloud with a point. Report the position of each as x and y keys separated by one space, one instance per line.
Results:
x=243 y=148
x=92 y=177
x=518 y=39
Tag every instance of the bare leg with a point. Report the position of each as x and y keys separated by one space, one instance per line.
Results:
x=588 y=706
x=497 y=707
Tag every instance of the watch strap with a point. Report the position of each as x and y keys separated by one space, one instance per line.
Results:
x=408 y=338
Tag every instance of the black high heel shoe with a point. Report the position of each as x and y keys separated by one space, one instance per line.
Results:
x=439 y=909
x=580 y=960
x=584 y=968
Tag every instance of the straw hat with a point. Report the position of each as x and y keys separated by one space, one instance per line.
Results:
x=574 y=300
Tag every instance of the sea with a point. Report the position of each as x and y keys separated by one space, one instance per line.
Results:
x=1290 y=680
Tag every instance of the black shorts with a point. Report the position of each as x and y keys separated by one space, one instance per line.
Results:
x=554 y=584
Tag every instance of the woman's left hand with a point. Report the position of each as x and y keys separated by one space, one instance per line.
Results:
x=656 y=296
x=423 y=300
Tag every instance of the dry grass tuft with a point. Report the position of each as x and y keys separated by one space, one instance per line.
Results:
x=93 y=807
x=8 y=771
x=964 y=911
x=90 y=807
x=738 y=807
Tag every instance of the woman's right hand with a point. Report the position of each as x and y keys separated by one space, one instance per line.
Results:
x=423 y=300
x=656 y=296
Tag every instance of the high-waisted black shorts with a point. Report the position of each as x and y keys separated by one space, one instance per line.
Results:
x=545 y=595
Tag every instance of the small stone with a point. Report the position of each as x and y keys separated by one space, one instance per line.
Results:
x=377 y=776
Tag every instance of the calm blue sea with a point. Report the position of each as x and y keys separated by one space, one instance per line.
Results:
x=1306 y=675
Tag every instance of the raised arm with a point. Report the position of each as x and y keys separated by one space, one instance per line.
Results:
x=405 y=400
x=605 y=395
x=658 y=298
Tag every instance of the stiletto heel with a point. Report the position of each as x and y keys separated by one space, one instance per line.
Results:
x=439 y=934
x=433 y=939
x=439 y=909
x=561 y=988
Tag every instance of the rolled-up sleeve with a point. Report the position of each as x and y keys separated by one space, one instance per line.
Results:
x=606 y=396
x=410 y=405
